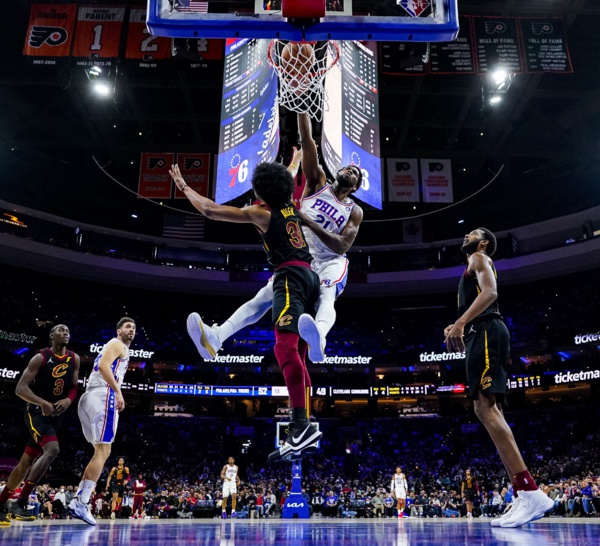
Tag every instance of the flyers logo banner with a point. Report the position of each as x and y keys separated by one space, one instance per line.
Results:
x=98 y=32
x=155 y=180
x=50 y=31
x=495 y=27
x=195 y=169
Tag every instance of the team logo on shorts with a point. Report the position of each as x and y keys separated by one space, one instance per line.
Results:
x=486 y=383
x=286 y=320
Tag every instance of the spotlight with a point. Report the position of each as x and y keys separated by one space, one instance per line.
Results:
x=499 y=76
x=495 y=99
x=102 y=88
x=95 y=71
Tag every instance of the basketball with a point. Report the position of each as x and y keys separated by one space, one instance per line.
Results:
x=297 y=58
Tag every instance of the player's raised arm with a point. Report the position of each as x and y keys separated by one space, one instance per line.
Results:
x=314 y=174
x=253 y=214
x=338 y=242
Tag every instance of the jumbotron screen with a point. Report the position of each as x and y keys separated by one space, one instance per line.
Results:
x=351 y=119
x=249 y=131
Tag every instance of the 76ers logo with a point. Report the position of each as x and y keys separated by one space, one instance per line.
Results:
x=53 y=36
x=415 y=8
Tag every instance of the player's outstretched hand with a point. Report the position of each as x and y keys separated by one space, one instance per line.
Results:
x=177 y=176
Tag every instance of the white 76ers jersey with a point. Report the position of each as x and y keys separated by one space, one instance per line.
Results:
x=118 y=367
x=231 y=472
x=331 y=214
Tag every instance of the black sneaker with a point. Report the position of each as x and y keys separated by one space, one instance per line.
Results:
x=19 y=513
x=300 y=436
x=4 y=521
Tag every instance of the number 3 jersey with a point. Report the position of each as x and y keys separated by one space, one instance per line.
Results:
x=118 y=368
x=284 y=240
x=332 y=215
x=55 y=377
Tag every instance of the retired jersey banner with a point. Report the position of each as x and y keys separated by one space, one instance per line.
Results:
x=50 y=31
x=155 y=180
x=195 y=169
x=403 y=180
x=436 y=178
x=140 y=43
x=98 y=32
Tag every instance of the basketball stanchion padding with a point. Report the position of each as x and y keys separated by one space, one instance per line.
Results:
x=303 y=9
x=301 y=69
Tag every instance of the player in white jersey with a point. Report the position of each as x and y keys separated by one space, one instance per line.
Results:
x=399 y=490
x=99 y=409
x=231 y=480
x=331 y=221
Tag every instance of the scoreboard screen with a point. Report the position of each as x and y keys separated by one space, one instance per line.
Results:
x=249 y=132
x=351 y=118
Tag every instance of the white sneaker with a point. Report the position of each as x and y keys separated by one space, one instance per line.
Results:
x=533 y=505
x=205 y=338
x=497 y=522
x=81 y=511
x=309 y=332
x=113 y=515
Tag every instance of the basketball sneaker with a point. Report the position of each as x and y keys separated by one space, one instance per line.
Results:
x=81 y=511
x=4 y=521
x=205 y=338
x=224 y=515
x=301 y=436
x=496 y=522
x=532 y=506
x=309 y=332
x=18 y=512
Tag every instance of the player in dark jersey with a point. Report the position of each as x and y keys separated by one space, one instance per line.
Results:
x=482 y=334
x=295 y=289
x=468 y=490
x=119 y=477
x=49 y=386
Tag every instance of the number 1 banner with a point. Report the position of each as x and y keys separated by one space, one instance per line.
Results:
x=98 y=32
x=140 y=43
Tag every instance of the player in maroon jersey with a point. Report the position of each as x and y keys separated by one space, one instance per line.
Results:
x=49 y=386
x=139 y=488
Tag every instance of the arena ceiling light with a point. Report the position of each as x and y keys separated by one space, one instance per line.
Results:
x=100 y=81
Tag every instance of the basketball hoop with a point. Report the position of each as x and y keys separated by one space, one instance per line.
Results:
x=301 y=69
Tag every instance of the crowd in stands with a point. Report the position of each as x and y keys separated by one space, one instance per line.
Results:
x=180 y=460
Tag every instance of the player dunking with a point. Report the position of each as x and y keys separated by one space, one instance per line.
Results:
x=399 y=489
x=481 y=332
x=49 y=386
x=295 y=286
x=231 y=480
x=331 y=221
x=99 y=409
x=119 y=477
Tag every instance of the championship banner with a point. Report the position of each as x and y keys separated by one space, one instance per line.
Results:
x=436 y=178
x=141 y=44
x=195 y=169
x=98 y=32
x=545 y=45
x=50 y=30
x=403 y=180
x=155 y=180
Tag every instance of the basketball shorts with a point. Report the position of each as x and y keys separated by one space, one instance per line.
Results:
x=487 y=354
x=295 y=291
x=400 y=493
x=229 y=488
x=470 y=495
x=42 y=429
x=98 y=415
x=333 y=273
x=118 y=489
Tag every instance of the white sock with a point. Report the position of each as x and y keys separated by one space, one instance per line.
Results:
x=325 y=317
x=249 y=313
x=85 y=491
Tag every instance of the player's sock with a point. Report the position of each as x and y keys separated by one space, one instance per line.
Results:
x=525 y=482
x=247 y=314
x=325 y=317
x=6 y=494
x=85 y=491
x=27 y=489
x=288 y=358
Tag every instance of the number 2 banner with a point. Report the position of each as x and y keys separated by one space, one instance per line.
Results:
x=98 y=32
x=140 y=43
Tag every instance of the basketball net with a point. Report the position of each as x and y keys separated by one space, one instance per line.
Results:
x=303 y=91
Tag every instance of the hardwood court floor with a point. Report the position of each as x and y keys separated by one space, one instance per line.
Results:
x=279 y=532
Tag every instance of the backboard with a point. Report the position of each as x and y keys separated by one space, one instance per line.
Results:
x=385 y=20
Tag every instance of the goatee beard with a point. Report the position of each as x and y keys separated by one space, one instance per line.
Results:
x=470 y=248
